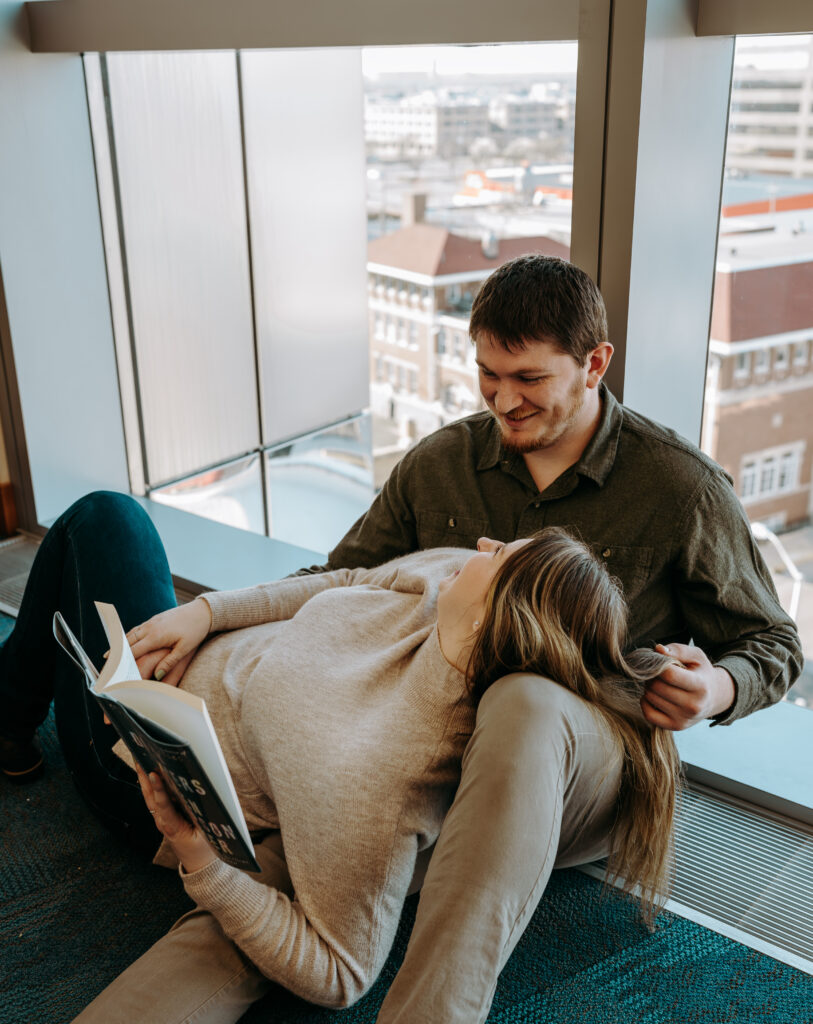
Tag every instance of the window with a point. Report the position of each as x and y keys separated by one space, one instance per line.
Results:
x=748 y=480
x=742 y=365
x=453 y=191
x=757 y=421
x=769 y=474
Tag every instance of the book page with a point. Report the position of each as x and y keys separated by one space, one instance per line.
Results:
x=120 y=664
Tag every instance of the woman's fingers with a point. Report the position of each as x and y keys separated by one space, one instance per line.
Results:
x=179 y=629
x=170 y=671
x=147 y=663
x=168 y=819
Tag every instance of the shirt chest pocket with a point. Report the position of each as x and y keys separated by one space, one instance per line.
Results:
x=449 y=530
x=631 y=565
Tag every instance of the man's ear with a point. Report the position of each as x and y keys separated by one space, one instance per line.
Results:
x=597 y=362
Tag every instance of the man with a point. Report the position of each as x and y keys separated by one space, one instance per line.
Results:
x=540 y=778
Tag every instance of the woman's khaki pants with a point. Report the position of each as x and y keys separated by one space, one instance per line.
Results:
x=538 y=791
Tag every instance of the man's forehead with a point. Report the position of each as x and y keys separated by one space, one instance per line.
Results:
x=533 y=352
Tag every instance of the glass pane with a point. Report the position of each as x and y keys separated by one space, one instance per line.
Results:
x=230 y=494
x=469 y=163
x=305 y=172
x=178 y=152
x=759 y=390
x=319 y=485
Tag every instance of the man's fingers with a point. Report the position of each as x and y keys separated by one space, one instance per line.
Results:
x=678 y=677
x=657 y=717
x=687 y=654
x=662 y=701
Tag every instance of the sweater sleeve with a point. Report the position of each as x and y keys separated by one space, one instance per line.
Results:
x=282 y=599
x=326 y=952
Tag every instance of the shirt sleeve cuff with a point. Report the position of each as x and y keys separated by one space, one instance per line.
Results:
x=747 y=688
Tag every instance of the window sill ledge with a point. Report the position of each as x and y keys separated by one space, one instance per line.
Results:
x=765 y=759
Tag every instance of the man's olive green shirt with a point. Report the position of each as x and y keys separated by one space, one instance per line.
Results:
x=662 y=516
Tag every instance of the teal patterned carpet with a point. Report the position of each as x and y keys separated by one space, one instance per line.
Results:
x=76 y=908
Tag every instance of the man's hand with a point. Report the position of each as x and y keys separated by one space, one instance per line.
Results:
x=186 y=840
x=165 y=644
x=686 y=694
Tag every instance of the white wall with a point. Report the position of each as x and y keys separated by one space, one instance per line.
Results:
x=53 y=273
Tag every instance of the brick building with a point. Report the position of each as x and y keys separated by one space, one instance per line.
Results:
x=759 y=396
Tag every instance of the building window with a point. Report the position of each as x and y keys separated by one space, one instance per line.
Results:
x=441 y=342
x=761 y=361
x=770 y=473
x=767 y=475
x=780 y=357
x=413 y=382
x=788 y=471
x=413 y=334
x=742 y=365
x=800 y=353
x=379 y=325
x=748 y=480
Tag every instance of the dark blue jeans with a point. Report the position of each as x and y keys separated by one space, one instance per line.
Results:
x=104 y=548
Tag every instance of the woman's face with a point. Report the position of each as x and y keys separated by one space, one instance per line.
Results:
x=464 y=592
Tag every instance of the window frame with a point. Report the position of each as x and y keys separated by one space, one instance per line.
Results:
x=619 y=178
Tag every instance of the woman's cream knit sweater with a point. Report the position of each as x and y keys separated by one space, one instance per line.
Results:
x=343 y=726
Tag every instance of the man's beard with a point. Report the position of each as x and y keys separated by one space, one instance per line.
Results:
x=552 y=430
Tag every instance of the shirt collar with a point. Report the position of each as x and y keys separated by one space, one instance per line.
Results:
x=599 y=455
x=597 y=458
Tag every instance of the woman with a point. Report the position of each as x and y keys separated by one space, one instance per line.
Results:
x=343 y=703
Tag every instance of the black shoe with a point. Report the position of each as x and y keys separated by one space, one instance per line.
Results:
x=21 y=760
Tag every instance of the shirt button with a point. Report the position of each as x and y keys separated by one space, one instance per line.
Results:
x=606 y=553
x=452 y=522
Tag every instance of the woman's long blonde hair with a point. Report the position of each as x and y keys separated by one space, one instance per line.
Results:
x=553 y=609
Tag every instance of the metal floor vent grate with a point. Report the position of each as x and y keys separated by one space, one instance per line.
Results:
x=749 y=870
x=17 y=556
x=745 y=873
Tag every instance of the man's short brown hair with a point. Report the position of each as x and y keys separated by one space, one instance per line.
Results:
x=540 y=298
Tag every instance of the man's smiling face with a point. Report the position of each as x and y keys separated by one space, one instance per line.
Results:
x=535 y=393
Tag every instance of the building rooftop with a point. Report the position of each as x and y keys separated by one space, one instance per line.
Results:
x=436 y=252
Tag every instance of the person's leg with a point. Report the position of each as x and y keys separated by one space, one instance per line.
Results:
x=538 y=789
x=194 y=974
x=103 y=548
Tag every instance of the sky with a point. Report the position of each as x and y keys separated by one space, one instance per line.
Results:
x=767 y=52
x=773 y=52
x=456 y=60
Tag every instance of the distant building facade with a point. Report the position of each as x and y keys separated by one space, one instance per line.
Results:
x=759 y=392
x=771 y=124
x=430 y=123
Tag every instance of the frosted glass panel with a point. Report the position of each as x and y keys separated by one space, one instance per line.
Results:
x=306 y=188
x=319 y=485
x=230 y=494
x=176 y=125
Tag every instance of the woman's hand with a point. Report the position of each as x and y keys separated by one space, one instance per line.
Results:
x=186 y=840
x=165 y=644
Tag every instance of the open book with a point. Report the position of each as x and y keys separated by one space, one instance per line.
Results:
x=169 y=731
